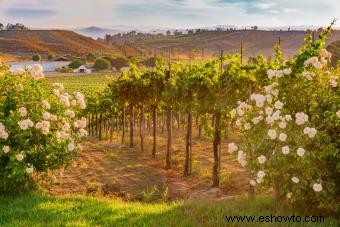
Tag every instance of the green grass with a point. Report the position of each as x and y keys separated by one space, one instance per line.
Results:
x=39 y=210
x=86 y=83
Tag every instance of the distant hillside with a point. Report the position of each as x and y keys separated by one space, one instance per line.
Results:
x=334 y=48
x=58 y=42
x=95 y=32
x=99 y=32
x=254 y=42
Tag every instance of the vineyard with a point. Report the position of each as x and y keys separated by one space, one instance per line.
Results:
x=87 y=84
x=241 y=136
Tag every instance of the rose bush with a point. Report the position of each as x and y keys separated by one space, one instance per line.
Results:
x=39 y=129
x=290 y=130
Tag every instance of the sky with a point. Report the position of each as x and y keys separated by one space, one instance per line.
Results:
x=168 y=13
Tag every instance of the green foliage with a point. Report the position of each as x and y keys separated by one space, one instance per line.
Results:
x=76 y=63
x=90 y=57
x=101 y=64
x=36 y=57
x=271 y=126
x=33 y=136
x=311 y=48
x=216 y=87
x=37 y=210
x=119 y=62
x=64 y=70
x=50 y=56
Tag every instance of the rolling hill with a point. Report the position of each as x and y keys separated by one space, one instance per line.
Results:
x=254 y=42
x=23 y=44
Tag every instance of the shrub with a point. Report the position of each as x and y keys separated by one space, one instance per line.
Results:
x=76 y=63
x=36 y=57
x=101 y=64
x=289 y=131
x=39 y=130
x=119 y=63
x=50 y=57
x=64 y=70
x=90 y=57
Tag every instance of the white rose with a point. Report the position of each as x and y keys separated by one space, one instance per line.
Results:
x=300 y=152
x=46 y=116
x=272 y=134
x=22 y=111
x=252 y=183
x=268 y=110
x=295 y=180
x=70 y=146
x=46 y=105
x=287 y=72
x=29 y=170
x=301 y=118
x=282 y=137
x=6 y=149
x=317 y=187
x=262 y=159
x=283 y=124
x=278 y=105
x=247 y=126
x=289 y=195
x=261 y=174
x=20 y=157
x=333 y=82
x=285 y=150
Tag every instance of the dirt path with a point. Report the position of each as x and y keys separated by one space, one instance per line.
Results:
x=118 y=171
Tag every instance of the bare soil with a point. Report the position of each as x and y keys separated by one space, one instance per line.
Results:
x=114 y=170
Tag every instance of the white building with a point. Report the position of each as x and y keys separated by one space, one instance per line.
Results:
x=83 y=69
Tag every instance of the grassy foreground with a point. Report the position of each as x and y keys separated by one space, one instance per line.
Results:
x=39 y=210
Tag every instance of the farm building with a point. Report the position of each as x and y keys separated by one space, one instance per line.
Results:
x=83 y=69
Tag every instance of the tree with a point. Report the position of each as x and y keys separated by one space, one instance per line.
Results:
x=16 y=26
x=1 y=27
x=36 y=57
x=50 y=56
x=90 y=57
x=119 y=62
x=101 y=64
x=76 y=63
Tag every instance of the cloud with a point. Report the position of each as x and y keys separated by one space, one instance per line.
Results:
x=169 y=13
x=29 y=13
x=265 y=5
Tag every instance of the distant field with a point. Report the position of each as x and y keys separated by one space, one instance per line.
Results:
x=86 y=83
x=254 y=42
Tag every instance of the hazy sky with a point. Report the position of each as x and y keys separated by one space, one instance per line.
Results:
x=168 y=13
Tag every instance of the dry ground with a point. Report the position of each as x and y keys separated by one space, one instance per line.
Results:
x=114 y=170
